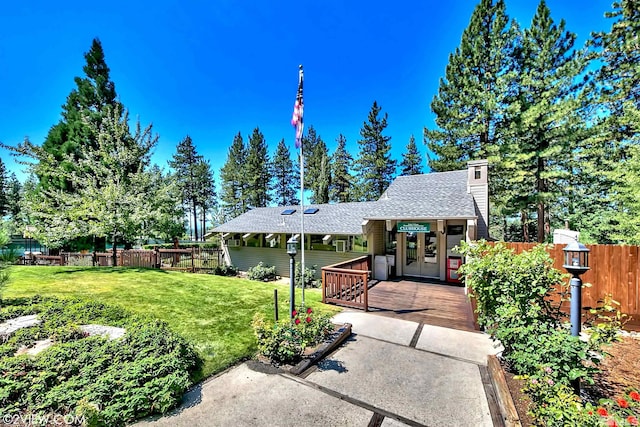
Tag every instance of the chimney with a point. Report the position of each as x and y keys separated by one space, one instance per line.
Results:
x=478 y=187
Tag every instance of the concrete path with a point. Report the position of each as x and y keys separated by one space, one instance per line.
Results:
x=390 y=372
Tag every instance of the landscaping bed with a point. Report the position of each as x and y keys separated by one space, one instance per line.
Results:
x=101 y=366
x=619 y=371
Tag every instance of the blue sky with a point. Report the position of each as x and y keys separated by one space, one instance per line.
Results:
x=212 y=68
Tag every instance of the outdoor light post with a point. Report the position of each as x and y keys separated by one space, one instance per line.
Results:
x=576 y=262
x=292 y=250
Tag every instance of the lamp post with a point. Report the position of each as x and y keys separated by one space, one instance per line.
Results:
x=292 y=250
x=576 y=262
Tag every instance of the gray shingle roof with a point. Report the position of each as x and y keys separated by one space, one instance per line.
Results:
x=339 y=218
x=440 y=195
x=430 y=196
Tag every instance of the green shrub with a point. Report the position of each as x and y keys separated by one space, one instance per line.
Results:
x=111 y=382
x=262 y=272
x=285 y=341
x=496 y=277
x=280 y=342
x=513 y=294
x=309 y=277
x=226 y=270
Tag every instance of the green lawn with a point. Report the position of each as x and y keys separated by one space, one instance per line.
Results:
x=214 y=312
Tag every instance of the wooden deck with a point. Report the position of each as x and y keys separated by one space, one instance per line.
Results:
x=428 y=302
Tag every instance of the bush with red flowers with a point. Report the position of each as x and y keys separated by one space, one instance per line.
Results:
x=284 y=342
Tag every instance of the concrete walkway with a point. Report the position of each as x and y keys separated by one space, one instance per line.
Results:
x=390 y=372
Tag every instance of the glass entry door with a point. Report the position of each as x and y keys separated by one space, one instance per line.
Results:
x=421 y=254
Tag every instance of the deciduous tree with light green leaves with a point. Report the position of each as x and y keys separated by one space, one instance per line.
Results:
x=116 y=196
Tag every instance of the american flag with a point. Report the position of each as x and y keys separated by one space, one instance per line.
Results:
x=298 y=109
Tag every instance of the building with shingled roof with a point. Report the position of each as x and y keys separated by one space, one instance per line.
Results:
x=409 y=231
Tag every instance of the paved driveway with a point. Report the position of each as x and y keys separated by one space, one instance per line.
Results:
x=390 y=372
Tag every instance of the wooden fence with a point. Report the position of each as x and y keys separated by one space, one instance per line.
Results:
x=614 y=270
x=347 y=283
x=193 y=259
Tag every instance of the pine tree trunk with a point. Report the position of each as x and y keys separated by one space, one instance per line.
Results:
x=195 y=220
x=540 y=186
x=525 y=226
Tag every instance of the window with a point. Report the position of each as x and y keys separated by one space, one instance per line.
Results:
x=358 y=244
x=319 y=244
x=477 y=172
x=391 y=242
x=287 y=212
x=311 y=211
x=430 y=247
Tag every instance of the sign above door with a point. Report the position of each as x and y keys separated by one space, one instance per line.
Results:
x=414 y=227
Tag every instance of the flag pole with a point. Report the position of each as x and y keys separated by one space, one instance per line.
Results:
x=298 y=122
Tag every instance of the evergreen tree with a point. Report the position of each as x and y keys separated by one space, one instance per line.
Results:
x=411 y=160
x=546 y=126
x=257 y=171
x=616 y=110
x=233 y=179
x=285 y=184
x=375 y=167
x=317 y=175
x=186 y=164
x=470 y=103
x=323 y=183
x=205 y=192
x=84 y=110
x=14 y=195
x=341 y=179
x=4 y=203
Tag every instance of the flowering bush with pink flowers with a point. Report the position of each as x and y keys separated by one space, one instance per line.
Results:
x=285 y=341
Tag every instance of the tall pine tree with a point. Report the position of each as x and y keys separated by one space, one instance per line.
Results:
x=547 y=126
x=617 y=97
x=234 y=181
x=317 y=173
x=257 y=171
x=470 y=104
x=411 y=163
x=4 y=187
x=285 y=184
x=375 y=167
x=341 y=190
x=185 y=163
x=85 y=107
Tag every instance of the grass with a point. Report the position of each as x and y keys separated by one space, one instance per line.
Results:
x=213 y=312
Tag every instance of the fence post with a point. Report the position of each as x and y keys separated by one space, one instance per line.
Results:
x=366 y=296
x=324 y=284
x=156 y=260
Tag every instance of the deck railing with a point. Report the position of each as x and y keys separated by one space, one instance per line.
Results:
x=346 y=283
